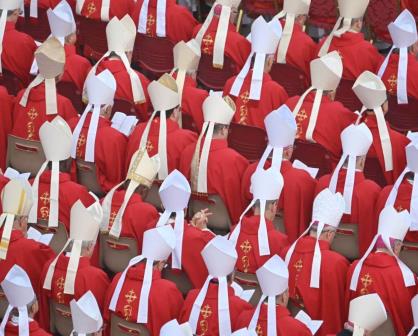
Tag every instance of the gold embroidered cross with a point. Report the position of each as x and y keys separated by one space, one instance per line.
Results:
x=149 y=146
x=60 y=283
x=245 y=97
x=91 y=8
x=45 y=198
x=112 y=218
x=207 y=44
x=259 y=330
x=206 y=311
x=130 y=296
x=298 y=265
x=246 y=247
x=32 y=113
x=366 y=281
x=399 y=208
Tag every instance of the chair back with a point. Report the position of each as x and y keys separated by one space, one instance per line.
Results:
x=293 y=80
x=121 y=105
x=373 y=171
x=60 y=318
x=346 y=95
x=212 y=78
x=249 y=281
x=313 y=155
x=93 y=36
x=153 y=54
x=60 y=234
x=179 y=277
x=70 y=91
x=11 y=82
x=386 y=329
x=38 y=27
x=249 y=141
x=116 y=253
x=403 y=117
x=409 y=255
x=24 y=155
x=3 y=304
x=346 y=241
x=120 y=327
x=87 y=176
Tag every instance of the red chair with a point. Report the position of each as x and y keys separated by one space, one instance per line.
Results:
x=347 y=97
x=12 y=83
x=121 y=105
x=153 y=54
x=38 y=28
x=249 y=141
x=211 y=78
x=292 y=79
x=313 y=155
x=69 y=90
x=404 y=117
x=93 y=35
x=373 y=171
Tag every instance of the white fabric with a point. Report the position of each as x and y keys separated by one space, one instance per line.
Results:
x=160 y=20
x=23 y=321
x=325 y=47
x=33 y=11
x=314 y=112
x=50 y=94
x=104 y=11
x=349 y=180
x=286 y=37
x=7 y=220
x=384 y=138
x=271 y=315
x=3 y=20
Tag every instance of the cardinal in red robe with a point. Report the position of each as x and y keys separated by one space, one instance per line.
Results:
x=76 y=67
x=27 y=120
x=164 y=302
x=12 y=329
x=192 y=101
x=92 y=9
x=7 y=104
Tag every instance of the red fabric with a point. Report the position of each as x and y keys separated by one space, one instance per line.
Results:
x=365 y=195
x=260 y=7
x=399 y=142
x=209 y=326
x=118 y=8
x=7 y=104
x=237 y=47
x=76 y=67
x=69 y=193
x=331 y=284
x=333 y=118
x=109 y=152
x=390 y=76
x=28 y=120
x=379 y=15
x=253 y=112
x=323 y=13
x=412 y=6
x=88 y=278
x=295 y=200
x=191 y=104
x=18 y=52
x=134 y=226
x=402 y=202
x=34 y=329
x=177 y=140
x=124 y=86
x=381 y=274
x=285 y=323
x=45 y=4
x=350 y=45
x=225 y=169
x=179 y=21
x=164 y=302
x=249 y=258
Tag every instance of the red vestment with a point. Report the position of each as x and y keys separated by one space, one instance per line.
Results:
x=381 y=274
x=76 y=67
x=7 y=105
x=18 y=52
x=179 y=21
x=118 y=8
x=45 y=4
x=133 y=226
x=390 y=76
x=28 y=120
x=399 y=142
x=177 y=140
x=323 y=13
x=109 y=152
x=124 y=86
x=164 y=302
x=365 y=195
x=28 y=254
x=237 y=47
x=316 y=301
x=191 y=104
x=333 y=118
x=225 y=170
x=34 y=329
x=249 y=258
x=88 y=278
x=350 y=45
x=295 y=200
x=208 y=324
x=402 y=202
x=252 y=112
x=285 y=323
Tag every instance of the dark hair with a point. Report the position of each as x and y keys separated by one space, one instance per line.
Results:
x=168 y=113
x=9 y=12
x=345 y=332
x=219 y=128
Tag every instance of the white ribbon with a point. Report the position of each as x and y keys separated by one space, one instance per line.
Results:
x=33 y=8
x=197 y=304
x=325 y=47
x=23 y=321
x=79 y=6
x=358 y=331
x=7 y=220
x=143 y=16
x=107 y=208
x=384 y=138
x=277 y=157
x=239 y=80
x=220 y=37
x=271 y=315
x=314 y=112
x=412 y=331
x=105 y=10
x=51 y=269
x=5 y=319
x=285 y=39
x=72 y=267
x=3 y=21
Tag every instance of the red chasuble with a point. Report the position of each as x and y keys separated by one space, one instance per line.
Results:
x=253 y=112
x=18 y=52
x=7 y=104
x=164 y=303
x=28 y=120
x=350 y=45
x=191 y=104
x=381 y=274
x=237 y=47
x=285 y=324
x=76 y=67
x=208 y=324
x=124 y=86
x=28 y=254
x=225 y=170
x=399 y=142
x=316 y=301
x=88 y=278
x=333 y=118
x=92 y=8
x=295 y=200
x=34 y=329
x=45 y=4
x=323 y=13
x=179 y=21
x=109 y=152
x=365 y=196
x=390 y=76
x=134 y=225
x=249 y=258
x=177 y=140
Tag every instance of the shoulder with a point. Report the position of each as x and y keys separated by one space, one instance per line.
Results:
x=334 y=259
x=109 y=131
x=186 y=135
x=297 y=327
x=369 y=186
x=301 y=176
